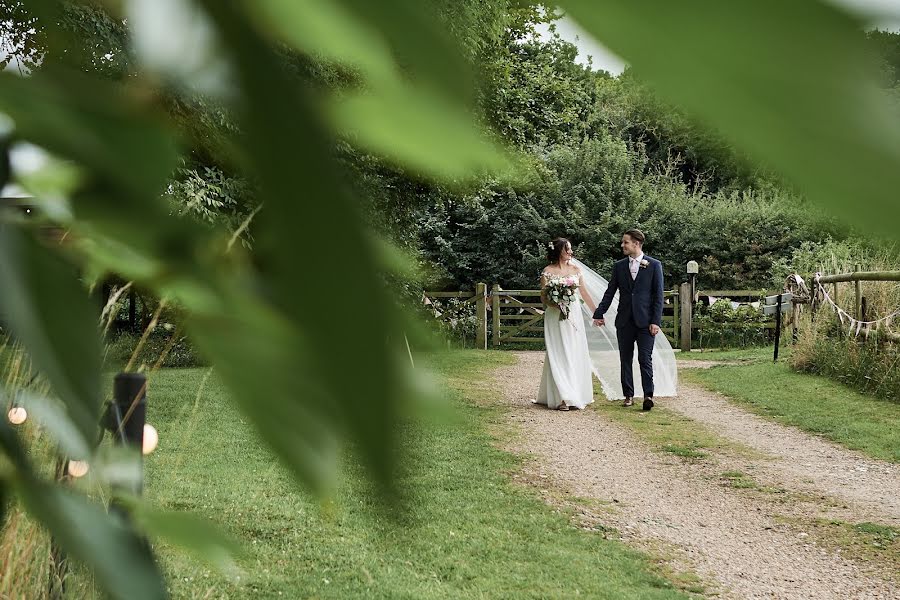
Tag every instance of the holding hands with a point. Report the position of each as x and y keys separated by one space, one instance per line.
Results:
x=654 y=328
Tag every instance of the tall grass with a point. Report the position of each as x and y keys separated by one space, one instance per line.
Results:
x=825 y=345
x=24 y=546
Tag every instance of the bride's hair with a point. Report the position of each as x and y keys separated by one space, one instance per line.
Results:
x=555 y=249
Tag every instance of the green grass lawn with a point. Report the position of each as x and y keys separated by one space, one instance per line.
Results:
x=740 y=354
x=816 y=404
x=465 y=532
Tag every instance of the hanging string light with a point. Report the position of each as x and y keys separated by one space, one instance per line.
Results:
x=17 y=415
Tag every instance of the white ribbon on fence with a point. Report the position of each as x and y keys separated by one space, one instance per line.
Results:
x=855 y=325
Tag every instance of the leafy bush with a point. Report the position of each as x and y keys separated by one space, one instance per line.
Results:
x=182 y=354
x=721 y=326
x=459 y=325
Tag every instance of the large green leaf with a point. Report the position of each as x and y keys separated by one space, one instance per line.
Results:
x=328 y=30
x=413 y=124
x=419 y=41
x=94 y=123
x=48 y=310
x=419 y=130
x=788 y=82
x=124 y=148
x=319 y=267
x=119 y=559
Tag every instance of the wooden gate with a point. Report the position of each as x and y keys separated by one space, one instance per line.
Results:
x=479 y=298
x=516 y=314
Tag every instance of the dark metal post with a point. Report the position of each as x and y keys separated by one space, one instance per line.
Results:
x=777 y=326
x=128 y=413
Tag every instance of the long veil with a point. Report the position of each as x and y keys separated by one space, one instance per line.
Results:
x=604 y=350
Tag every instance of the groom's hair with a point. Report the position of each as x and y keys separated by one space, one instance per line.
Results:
x=636 y=234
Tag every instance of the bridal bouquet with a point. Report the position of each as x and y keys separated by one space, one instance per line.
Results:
x=561 y=292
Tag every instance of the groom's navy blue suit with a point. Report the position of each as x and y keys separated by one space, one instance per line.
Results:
x=640 y=305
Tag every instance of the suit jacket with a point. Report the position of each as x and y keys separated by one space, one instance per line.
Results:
x=640 y=300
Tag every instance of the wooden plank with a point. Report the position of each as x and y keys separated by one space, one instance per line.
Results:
x=481 y=314
x=676 y=316
x=861 y=276
x=448 y=294
x=526 y=326
x=495 y=309
x=686 y=317
x=741 y=293
x=524 y=339
x=522 y=305
x=522 y=293
x=521 y=317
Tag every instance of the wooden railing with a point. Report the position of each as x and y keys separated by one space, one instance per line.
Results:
x=859 y=305
x=479 y=298
x=517 y=316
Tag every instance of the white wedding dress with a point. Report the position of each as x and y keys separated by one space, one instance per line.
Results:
x=575 y=348
x=567 y=368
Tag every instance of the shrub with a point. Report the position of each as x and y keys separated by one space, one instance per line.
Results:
x=182 y=354
x=721 y=326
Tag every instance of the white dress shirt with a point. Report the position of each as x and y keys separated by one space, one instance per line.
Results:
x=634 y=264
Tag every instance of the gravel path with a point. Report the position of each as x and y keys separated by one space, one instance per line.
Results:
x=735 y=541
x=803 y=462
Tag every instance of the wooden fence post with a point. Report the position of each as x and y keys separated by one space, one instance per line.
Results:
x=481 y=310
x=857 y=306
x=676 y=316
x=495 y=309
x=687 y=306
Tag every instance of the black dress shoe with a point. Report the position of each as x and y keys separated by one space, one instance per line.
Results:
x=648 y=404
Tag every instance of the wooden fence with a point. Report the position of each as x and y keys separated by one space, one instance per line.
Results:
x=478 y=297
x=859 y=305
x=517 y=316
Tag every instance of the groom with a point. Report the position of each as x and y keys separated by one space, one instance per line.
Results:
x=639 y=281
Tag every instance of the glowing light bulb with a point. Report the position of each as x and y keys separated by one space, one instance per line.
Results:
x=78 y=468
x=17 y=415
x=151 y=439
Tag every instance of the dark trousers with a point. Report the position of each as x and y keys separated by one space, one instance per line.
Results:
x=628 y=335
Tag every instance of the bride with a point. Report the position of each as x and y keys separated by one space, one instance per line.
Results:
x=575 y=348
x=566 y=380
